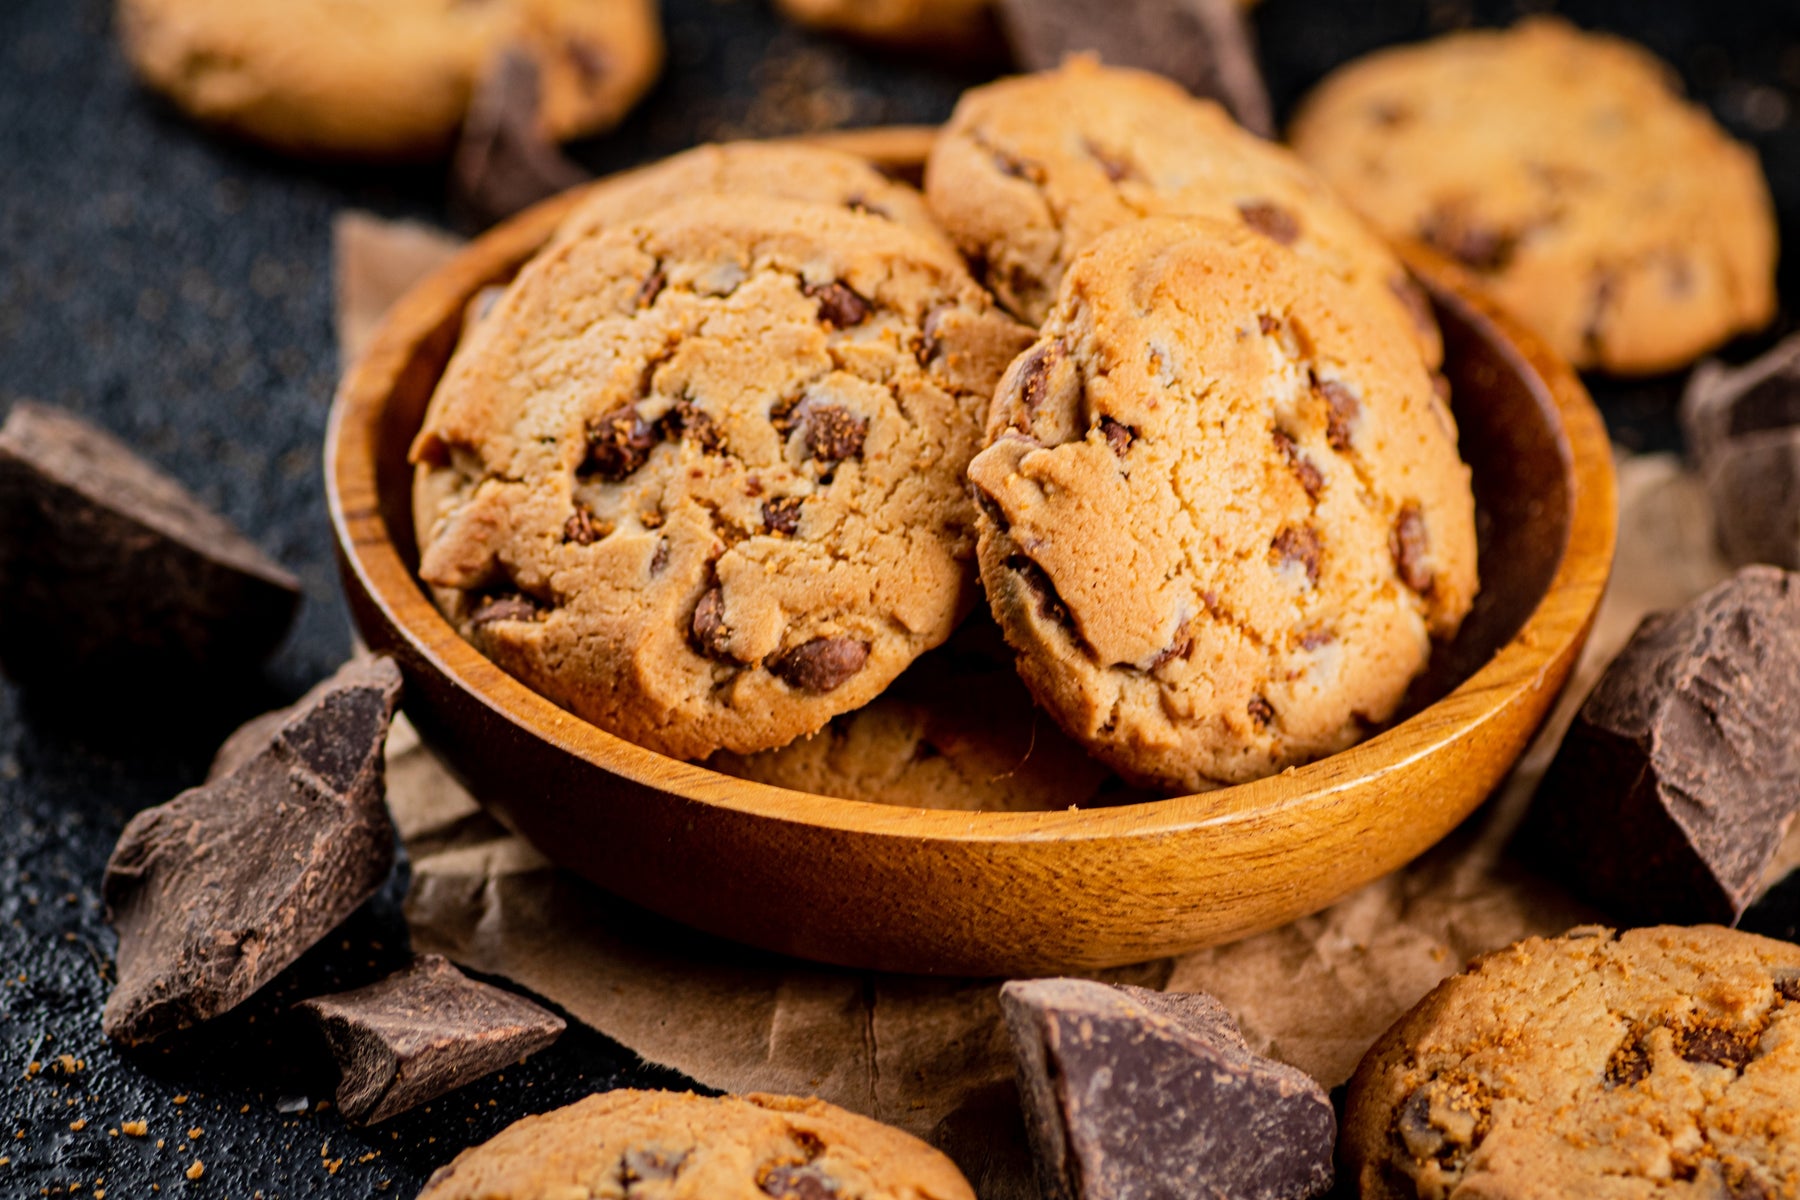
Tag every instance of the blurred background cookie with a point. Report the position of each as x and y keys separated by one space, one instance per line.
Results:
x=1567 y=171
x=944 y=25
x=387 y=79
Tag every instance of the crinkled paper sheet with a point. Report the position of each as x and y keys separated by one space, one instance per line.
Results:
x=929 y=1055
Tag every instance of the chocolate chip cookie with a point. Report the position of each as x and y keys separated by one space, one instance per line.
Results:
x=1659 y=1062
x=1029 y=171
x=1223 y=512
x=679 y=1146
x=1565 y=169
x=387 y=78
x=698 y=477
x=783 y=169
x=934 y=24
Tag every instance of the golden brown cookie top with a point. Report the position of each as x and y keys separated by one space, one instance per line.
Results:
x=1222 y=508
x=679 y=1146
x=1030 y=171
x=1658 y=1062
x=698 y=477
x=1566 y=170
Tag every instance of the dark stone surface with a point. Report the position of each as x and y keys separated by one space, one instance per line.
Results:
x=176 y=290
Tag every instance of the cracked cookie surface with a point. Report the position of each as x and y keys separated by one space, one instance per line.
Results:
x=1030 y=171
x=1223 y=514
x=698 y=477
x=1658 y=1062
x=1565 y=170
x=387 y=78
x=632 y=1145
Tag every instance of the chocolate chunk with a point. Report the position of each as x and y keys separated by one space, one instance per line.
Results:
x=833 y=434
x=839 y=306
x=1266 y=325
x=511 y=607
x=1787 y=984
x=1682 y=772
x=1301 y=546
x=688 y=420
x=1135 y=1093
x=1743 y=429
x=619 y=443
x=1204 y=45
x=1412 y=1125
x=1305 y=470
x=798 y=1183
x=1716 y=1042
x=1342 y=409
x=710 y=635
x=111 y=570
x=1271 y=220
x=782 y=514
x=1038 y=582
x=583 y=528
x=1481 y=247
x=821 y=665
x=1410 y=546
x=651 y=288
x=213 y=893
x=1118 y=436
x=650 y=1166
x=1630 y=1062
x=1033 y=380
x=1261 y=711
x=504 y=162
x=421 y=1032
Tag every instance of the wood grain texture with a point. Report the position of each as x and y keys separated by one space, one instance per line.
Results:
x=996 y=893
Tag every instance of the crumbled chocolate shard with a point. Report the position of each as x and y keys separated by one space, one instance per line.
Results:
x=687 y=420
x=583 y=528
x=1261 y=712
x=1717 y=1042
x=821 y=665
x=782 y=514
x=1038 y=582
x=833 y=433
x=619 y=443
x=1787 y=984
x=421 y=1032
x=1681 y=772
x=1307 y=472
x=1743 y=429
x=1272 y=221
x=504 y=162
x=1342 y=409
x=110 y=569
x=798 y=1183
x=710 y=635
x=651 y=288
x=839 y=306
x=1130 y=1093
x=1412 y=1124
x=1266 y=325
x=215 y=892
x=1204 y=45
x=1299 y=547
x=1118 y=435
x=513 y=606
x=1630 y=1063
x=1410 y=546
x=1034 y=375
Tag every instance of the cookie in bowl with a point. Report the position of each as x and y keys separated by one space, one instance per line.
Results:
x=1029 y=171
x=698 y=477
x=1223 y=513
x=1566 y=170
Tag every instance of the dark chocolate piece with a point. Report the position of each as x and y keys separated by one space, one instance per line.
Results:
x=1204 y=45
x=504 y=163
x=109 y=568
x=421 y=1032
x=1743 y=429
x=1682 y=771
x=216 y=891
x=1155 y=1095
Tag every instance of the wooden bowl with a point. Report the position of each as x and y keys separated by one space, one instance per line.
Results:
x=903 y=889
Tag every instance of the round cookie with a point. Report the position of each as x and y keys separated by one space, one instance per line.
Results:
x=782 y=169
x=1223 y=512
x=1659 y=1062
x=1030 y=171
x=387 y=78
x=698 y=477
x=1564 y=169
x=934 y=24
x=679 y=1146
x=957 y=731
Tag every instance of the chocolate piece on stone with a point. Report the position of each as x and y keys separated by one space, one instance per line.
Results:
x=109 y=568
x=215 y=892
x=1134 y=1093
x=1681 y=773
x=1204 y=45
x=504 y=162
x=421 y=1032
x=1743 y=428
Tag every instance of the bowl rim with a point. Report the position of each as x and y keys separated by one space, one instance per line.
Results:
x=1553 y=629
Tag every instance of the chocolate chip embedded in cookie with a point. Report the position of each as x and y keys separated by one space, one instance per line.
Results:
x=698 y=476
x=1223 y=514
x=679 y=1146
x=1030 y=171
x=387 y=78
x=1566 y=170
x=1660 y=1062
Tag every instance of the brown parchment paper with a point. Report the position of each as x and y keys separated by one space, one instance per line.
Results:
x=929 y=1055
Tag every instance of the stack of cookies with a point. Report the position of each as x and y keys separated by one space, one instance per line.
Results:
x=720 y=464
